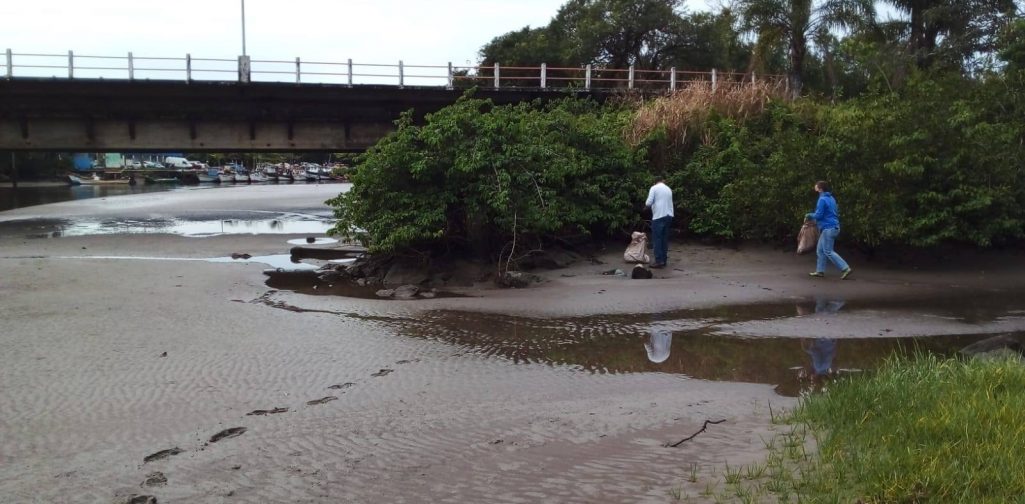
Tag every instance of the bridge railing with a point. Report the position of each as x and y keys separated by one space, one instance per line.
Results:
x=246 y=69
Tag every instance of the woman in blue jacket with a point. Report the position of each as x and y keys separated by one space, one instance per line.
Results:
x=827 y=217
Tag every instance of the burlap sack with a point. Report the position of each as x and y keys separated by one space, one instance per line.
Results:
x=808 y=238
x=635 y=252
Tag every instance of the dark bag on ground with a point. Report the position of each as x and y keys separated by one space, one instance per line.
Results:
x=641 y=273
x=808 y=237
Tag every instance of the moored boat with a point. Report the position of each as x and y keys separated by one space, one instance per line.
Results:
x=96 y=180
x=211 y=175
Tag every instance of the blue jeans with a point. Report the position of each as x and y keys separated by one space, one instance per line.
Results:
x=660 y=238
x=825 y=251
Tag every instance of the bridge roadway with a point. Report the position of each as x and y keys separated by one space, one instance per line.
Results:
x=97 y=115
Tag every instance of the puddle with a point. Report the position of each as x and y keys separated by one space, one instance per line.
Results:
x=684 y=346
x=55 y=228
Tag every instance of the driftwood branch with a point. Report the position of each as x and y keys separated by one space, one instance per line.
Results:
x=692 y=436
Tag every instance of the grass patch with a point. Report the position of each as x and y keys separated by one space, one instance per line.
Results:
x=921 y=429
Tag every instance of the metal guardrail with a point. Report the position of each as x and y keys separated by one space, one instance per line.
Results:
x=245 y=69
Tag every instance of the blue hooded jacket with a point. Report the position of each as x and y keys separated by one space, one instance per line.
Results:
x=826 y=215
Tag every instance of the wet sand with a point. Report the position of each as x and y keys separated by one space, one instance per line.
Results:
x=395 y=401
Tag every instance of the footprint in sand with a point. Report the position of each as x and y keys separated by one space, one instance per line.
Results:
x=262 y=412
x=140 y=499
x=342 y=386
x=227 y=433
x=162 y=454
x=322 y=400
x=155 y=479
x=383 y=372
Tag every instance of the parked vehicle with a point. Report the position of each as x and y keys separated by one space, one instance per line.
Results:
x=177 y=162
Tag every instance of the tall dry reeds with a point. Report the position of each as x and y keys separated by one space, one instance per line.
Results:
x=685 y=112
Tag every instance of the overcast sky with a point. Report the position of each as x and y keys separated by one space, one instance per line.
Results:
x=419 y=32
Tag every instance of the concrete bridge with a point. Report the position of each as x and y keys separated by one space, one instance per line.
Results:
x=118 y=107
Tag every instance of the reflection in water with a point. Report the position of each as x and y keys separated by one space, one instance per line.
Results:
x=658 y=345
x=821 y=351
x=609 y=343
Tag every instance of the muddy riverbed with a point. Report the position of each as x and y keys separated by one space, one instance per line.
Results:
x=155 y=344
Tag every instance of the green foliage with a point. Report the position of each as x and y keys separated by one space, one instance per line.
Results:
x=938 y=162
x=919 y=430
x=651 y=34
x=477 y=176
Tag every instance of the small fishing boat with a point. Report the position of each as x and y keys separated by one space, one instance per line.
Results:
x=96 y=180
x=211 y=175
x=257 y=176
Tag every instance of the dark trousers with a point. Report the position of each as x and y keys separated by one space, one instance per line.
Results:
x=660 y=238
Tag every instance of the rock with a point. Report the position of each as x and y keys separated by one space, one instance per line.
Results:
x=141 y=499
x=994 y=347
x=405 y=273
x=332 y=276
x=518 y=279
x=406 y=292
x=428 y=294
x=1000 y=354
x=347 y=252
x=385 y=293
x=310 y=239
x=237 y=255
x=362 y=282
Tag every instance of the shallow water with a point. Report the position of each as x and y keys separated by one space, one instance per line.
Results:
x=26 y=195
x=683 y=343
x=691 y=342
x=56 y=228
x=31 y=195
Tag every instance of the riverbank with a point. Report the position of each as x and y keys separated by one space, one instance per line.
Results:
x=118 y=347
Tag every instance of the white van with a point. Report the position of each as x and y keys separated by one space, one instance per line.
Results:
x=177 y=162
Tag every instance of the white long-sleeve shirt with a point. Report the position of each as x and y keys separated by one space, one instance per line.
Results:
x=660 y=199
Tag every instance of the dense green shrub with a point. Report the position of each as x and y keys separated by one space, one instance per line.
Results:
x=940 y=161
x=476 y=176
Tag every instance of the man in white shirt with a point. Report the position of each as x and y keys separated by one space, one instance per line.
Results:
x=660 y=200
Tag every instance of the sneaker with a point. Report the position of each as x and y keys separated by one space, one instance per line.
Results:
x=845 y=273
x=658 y=266
x=817 y=274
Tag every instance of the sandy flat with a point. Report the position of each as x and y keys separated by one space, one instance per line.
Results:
x=391 y=401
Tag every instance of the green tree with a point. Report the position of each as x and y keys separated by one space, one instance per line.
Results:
x=791 y=23
x=648 y=34
x=951 y=34
x=493 y=180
